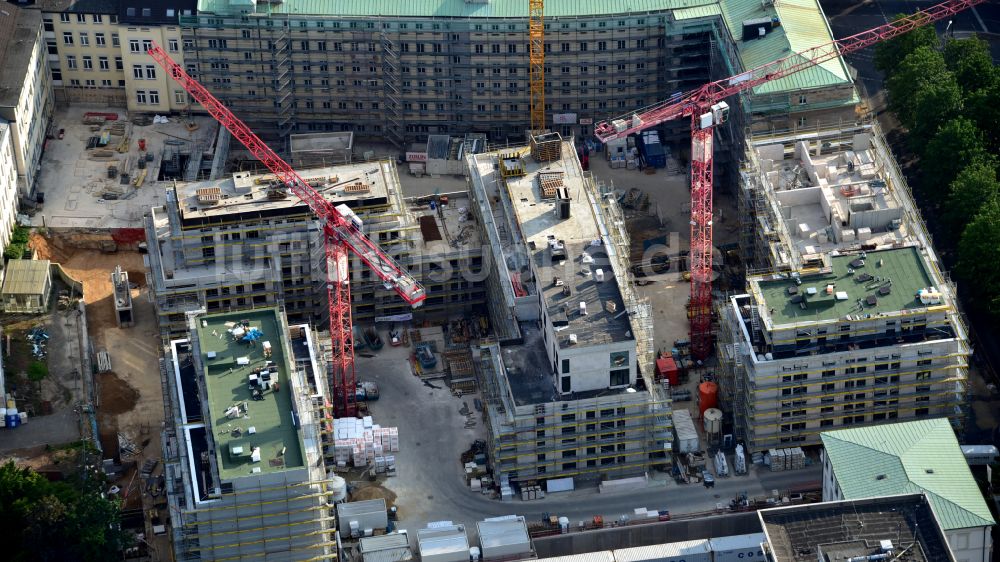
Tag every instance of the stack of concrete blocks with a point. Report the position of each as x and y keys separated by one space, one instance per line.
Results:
x=362 y=442
x=506 y=492
x=787 y=459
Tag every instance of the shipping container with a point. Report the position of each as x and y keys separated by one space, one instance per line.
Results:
x=369 y=514
x=738 y=548
x=652 y=149
x=684 y=551
x=504 y=537
x=687 y=435
x=443 y=544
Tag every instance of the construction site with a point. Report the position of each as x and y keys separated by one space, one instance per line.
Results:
x=589 y=305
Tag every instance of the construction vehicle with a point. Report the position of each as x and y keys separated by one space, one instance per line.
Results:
x=342 y=237
x=425 y=355
x=706 y=108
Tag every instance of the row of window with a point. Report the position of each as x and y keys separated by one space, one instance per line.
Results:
x=82 y=18
x=137 y=46
x=857 y=383
x=219 y=22
x=851 y=420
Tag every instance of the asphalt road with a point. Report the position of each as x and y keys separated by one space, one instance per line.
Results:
x=431 y=486
x=848 y=17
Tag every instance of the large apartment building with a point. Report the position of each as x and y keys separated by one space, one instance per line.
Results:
x=243 y=242
x=26 y=101
x=848 y=318
x=242 y=442
x=406 y=70
x=97 y=52
x=566 y=387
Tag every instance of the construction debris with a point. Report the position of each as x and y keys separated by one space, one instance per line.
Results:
x=128 y=449
x=103 y=361
x=39 y=339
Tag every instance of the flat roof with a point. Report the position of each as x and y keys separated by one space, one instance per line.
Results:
x=909 y=457
x=902 y=271
x=567 y=252
x=244 y=192
x=447 y=228
x=227 y=384
x=846 y=529
x=18 y=32
x=25 y=277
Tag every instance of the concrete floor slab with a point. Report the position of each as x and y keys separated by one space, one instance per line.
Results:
x=82 y=201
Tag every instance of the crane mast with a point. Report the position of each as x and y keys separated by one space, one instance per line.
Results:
x=706 y=109
x=342 y=237
x=536 y=59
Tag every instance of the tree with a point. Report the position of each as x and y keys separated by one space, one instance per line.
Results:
x=956 y=144
x=974 y=187
x=919 y=79
x=983 y=107
x=971 y=63
x=934 y=104
x=64 y=521
x=37 y=371
x=889 y=54
x=979 y=254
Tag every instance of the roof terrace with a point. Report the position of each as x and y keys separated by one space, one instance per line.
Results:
x=251 y=414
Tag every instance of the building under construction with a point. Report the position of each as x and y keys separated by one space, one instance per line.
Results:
x=405 y=70
x=244 y=242
x=568 y=388
x=848 y=318
x=243 y=460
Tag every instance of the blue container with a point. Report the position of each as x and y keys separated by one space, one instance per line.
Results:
x=12 y=420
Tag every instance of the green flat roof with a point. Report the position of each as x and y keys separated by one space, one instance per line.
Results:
x=227 y=384
x=903 y=266
x=911 y=457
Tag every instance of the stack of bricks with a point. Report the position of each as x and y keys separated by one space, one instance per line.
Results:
x=549 y=183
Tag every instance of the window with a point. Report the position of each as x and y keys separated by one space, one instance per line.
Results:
x=99 y=40
x=71 y=62
x=619 y=377
x=115 y=42
x=150 y=72
x=102 y=63
x=119 y=65
x=825 y=423
x=133 y=46
x=64 y=17
x=179 y=98
x=565 y=366
x=140 y=97
x=137 y=71
x=81 y=18
x=84 y=39
x=802 y=99
x=154 y=97
x=67 y=37
x=566 y=384
x=923 y=375
x=147 y=12
x=173 y=45
x=98 y=18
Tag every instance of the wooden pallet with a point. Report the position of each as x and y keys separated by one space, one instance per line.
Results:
x=549 y=184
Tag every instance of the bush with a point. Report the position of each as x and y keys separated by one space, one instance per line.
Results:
x=37 y=371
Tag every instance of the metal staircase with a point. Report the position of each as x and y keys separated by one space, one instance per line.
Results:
x=393 y=128
x=284 y=82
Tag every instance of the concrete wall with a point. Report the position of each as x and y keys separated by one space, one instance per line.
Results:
x=648 y=534
x=971 y=545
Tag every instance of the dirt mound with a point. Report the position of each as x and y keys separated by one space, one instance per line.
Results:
x=46 y=250
x=373 y=492
x=117 y=396
x=137 y=278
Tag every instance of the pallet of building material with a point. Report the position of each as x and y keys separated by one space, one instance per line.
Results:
x=549 y=183
x=103 y=361
x=546 y=147
x=357 y=187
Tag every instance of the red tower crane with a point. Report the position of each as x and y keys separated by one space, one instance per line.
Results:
x=342 y=236
x=706 y=109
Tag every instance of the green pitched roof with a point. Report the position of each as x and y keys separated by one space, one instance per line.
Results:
x=454 y=8
x=803 y=26
x=803 y=22
x=911 y=457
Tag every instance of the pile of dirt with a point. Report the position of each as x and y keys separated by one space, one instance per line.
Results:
x=45 y=250
x=367 y=491
x=117 y=396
